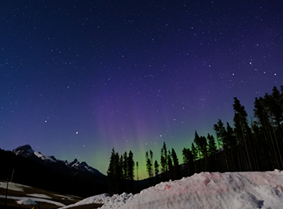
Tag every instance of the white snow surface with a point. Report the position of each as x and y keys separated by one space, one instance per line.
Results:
x=12 y=186
x=231 y=190
x=43 y=157
x=94 y=199
x=26 y=201
x=34 y=199
x=40 y=196
x=116 y=201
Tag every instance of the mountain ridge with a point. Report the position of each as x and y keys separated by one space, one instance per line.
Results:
x=26 y=151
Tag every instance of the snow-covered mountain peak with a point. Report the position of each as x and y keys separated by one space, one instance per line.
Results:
x=83 y=166
x=43 y=157
x=53 y=158
x=27 y=151
x=73 y=163
x=23 y=149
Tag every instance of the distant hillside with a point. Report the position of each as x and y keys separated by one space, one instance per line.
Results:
x=44 y=172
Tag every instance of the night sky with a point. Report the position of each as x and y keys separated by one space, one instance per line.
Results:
x=81 y=77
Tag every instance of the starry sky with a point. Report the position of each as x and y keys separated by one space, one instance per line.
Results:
x=79 y=78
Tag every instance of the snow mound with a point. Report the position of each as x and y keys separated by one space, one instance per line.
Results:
x=231 y=190
x=94 y=199
x=116 y=201
x=243 y=190
x=26 y=201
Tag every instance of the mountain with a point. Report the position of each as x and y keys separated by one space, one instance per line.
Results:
x=83 y=166
x=51 y=162
x=25 y=166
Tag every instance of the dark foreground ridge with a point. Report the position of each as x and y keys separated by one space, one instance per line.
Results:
x=53 y=176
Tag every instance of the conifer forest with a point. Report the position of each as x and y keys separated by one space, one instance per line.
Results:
x=245 y=145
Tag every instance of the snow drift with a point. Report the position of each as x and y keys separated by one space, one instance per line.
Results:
x=100 y=199
x=243 y=190
x=214 y=190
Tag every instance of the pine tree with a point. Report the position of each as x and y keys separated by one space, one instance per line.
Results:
x=197 y=143
x=114 y=172
x=156 y=170
x=195 y=156
x=148 y=165
x=170 y=165
x=276 y=103
x=220 y=133
x=131 y=166
x=242 y=129
x=175 y=158
x=267 y=112
x=194 y=152
x=276 y=111
x=231 y=139
x=151 y=160
x=176 y=164
x=137 y=168
x=111 y=170
x=120 y=168
x=124 y=164
x=261 y=113
x=201 y=143
x=188 y=160
x=211 y=145
x=164 y=161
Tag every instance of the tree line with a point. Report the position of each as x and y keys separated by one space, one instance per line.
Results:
x=169 y=165
x=121 y=172
x=254 y=145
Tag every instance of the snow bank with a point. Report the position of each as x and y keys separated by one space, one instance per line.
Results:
x=243 y=190
x=116 y=200
x=94 y=199
x=214 y=190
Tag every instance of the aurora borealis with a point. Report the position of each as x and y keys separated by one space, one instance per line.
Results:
x=81 y=77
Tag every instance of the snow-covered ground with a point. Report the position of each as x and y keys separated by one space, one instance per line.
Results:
x=13 y=186
x=235 y=190
x=32 y=200
x=40 y=196
x=101 y=199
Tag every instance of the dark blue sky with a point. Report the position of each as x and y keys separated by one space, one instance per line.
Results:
x=81 y=77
